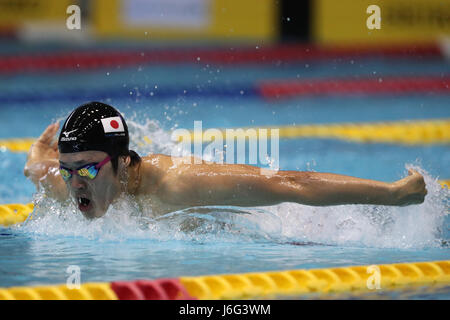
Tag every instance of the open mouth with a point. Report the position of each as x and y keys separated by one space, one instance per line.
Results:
x=84 y=204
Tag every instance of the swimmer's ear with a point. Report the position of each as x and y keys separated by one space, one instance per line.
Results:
x=127 y=161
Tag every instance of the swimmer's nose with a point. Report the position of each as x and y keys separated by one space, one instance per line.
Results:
x=77 y=182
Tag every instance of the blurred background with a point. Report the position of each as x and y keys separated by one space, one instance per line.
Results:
x=348 y=97
x=218 y=21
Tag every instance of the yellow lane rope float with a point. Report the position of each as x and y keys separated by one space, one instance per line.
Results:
x=445 y=183
x=402 y=132
x=410 y=133
x=87 y=291
x=14 y=213
x=258 y=285
x=297 y=282
x=17 y=145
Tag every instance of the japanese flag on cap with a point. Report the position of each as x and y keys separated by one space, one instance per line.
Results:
x=112 y=124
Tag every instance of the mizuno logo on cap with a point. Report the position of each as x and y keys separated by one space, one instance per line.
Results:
x=64 y=139
x=66 y=133
x=67 y=138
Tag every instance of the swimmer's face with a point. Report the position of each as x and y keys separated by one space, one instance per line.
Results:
x=92 y=196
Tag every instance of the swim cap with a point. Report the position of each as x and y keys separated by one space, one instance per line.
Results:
x=94 y=126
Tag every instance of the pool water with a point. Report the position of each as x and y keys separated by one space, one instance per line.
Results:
x=125 y=246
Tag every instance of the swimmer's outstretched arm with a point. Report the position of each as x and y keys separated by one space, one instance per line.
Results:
x=244 y=185
x=42 y=165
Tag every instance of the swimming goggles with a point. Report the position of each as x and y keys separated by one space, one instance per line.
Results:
x=89 y=170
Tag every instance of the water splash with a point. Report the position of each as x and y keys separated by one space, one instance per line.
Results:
x=149 y=137
x=415 y=226
x=229 y=224
x=123 y=221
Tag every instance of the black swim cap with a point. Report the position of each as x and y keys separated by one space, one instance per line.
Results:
x=94 y=126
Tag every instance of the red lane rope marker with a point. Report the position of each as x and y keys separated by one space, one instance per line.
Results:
x=164 y=289
x=127 y=290
x=160 y=289
x=87 y=60
x=381 y=85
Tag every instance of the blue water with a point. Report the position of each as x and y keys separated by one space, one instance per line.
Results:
x=287 y=236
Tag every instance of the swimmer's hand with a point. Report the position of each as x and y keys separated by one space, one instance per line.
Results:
x=43 y=163
x=46 y=146
x=410 y=190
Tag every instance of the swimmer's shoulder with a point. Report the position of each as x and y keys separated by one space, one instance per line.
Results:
x=166 y=162
x=153 y=169
x=158 y=161
x=156 y=167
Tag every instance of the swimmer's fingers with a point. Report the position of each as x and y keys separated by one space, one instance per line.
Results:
x=55 y=138
x=411 y=189
x=49 y=134
x=45 y=147
x=54 y=146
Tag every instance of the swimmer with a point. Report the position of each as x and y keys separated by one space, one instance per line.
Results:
x=91 y=164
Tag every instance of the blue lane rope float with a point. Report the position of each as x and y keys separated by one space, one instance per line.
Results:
x=163 y=92
x=268 y=89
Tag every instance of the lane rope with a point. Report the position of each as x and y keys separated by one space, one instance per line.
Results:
x=421 y=132
x=107 y=58
x=269 y=90
x=379 y=85
x=255 y=285
x=418 y=132
x=14 y=213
